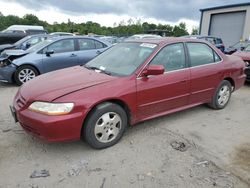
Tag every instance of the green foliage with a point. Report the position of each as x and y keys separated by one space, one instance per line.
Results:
x=180 y=30
x=124 y=28
x=195 y=31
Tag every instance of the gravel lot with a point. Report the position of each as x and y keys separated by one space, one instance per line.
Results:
x=214 y=151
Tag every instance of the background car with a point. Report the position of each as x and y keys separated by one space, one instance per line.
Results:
x=25 y=42
x=57 y=34
x=16 y=32
x=49 y=55
x=213 y=40
x=245 y=55
x=131 y=82
x=239 y=46
x=143 y=36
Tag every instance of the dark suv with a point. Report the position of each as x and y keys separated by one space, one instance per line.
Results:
x=12 y=36
x=213 y=40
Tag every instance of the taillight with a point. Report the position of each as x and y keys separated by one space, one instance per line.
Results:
x=247 y=63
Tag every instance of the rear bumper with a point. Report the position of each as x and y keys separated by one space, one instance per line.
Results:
x=247 y=72
x=6 y=73
x=240 y=81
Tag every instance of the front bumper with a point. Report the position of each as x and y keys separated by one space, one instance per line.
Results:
x=51 y=128
x=6 y=73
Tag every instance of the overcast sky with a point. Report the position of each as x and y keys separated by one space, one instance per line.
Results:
x=107 y=12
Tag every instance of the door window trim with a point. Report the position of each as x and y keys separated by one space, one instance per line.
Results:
x=188 y=55
x=159 y=50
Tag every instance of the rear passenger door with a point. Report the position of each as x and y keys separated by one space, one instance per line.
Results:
x=88 y=49
x=205 y=71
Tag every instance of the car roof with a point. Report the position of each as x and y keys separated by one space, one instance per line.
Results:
x=166 y=40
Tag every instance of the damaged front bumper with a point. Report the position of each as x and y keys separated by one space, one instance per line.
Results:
x=6 y=72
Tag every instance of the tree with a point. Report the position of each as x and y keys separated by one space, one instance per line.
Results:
x=180 y=30
x=195 y=31
x=123 y=28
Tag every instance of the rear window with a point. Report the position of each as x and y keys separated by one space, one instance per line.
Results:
x=201 y=54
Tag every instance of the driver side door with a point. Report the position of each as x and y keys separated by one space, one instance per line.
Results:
x=164 y=93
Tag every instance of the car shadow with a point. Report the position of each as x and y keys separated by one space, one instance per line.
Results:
x=5 y=84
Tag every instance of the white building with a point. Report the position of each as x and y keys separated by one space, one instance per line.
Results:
x=230 y=22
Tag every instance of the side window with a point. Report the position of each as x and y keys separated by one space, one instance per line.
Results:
x=61 y=46
x=172 y=57
x=86 y=44
x=201 y=54
x=99 y=45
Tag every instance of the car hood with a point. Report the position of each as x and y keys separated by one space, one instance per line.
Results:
x=244 y=55
x=6 y=46
x=14 y=52
x=53 y=85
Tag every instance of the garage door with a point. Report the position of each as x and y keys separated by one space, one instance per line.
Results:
x=228 y=26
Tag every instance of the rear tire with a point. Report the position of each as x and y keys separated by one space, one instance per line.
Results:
x=105 y=125
x=222 y=95
x=24 y=74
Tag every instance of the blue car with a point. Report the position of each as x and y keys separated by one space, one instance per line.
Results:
x=20 y=66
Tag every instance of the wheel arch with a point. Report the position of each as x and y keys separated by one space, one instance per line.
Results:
x=232 y=82
x=119 y=102
x=25 y=64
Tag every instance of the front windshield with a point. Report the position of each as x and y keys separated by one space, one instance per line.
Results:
x=39 y=45
x=21 y=41
x=122 y=59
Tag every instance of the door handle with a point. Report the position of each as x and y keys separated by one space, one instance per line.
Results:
x=183 y=81
x=73 y=55
x=98 y=52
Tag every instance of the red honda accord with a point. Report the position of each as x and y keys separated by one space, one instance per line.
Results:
x=129 y=83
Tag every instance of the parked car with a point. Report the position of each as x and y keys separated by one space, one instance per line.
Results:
x=245 y=55
x=143 y=36
x=213 y=40
x=110 y=39
x=131 y=82
x=61 y=34
x=16 y=32
x=52 y=54
x=25 y=42
x=239 y=46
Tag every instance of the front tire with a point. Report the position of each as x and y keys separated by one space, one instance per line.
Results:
x=105 y=125
x=222 y=95
x=24 y=74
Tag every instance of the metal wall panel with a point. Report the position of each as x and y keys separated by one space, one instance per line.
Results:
x=228 y=26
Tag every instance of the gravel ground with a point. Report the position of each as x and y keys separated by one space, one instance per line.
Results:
x=198 y=147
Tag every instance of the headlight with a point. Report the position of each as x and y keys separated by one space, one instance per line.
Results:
x=51 y=108
x=4 y=63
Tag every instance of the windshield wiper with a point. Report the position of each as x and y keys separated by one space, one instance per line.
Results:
x=96 y=69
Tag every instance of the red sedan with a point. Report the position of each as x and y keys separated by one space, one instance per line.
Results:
x=245 y=55
x=129 y=83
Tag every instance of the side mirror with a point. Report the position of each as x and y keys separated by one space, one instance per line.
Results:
x=27 y=45
x=49 y=52
x=153 y=70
